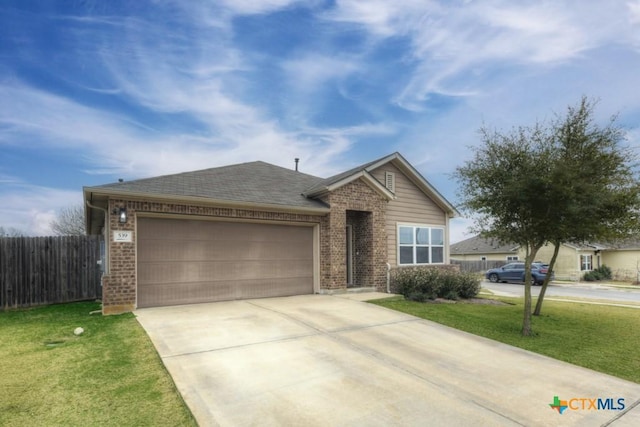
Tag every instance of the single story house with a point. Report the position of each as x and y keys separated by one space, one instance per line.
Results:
x=480 y=249
x=574 y=260
x=258 y=230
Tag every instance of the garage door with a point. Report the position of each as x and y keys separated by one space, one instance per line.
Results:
x=190 y=261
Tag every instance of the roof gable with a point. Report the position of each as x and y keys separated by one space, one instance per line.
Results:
x=364 y=171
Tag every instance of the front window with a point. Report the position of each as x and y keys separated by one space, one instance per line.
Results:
x=585 y=263
x=512 y=258
x=420 y=245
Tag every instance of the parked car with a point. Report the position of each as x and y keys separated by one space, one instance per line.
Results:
x=514 y=272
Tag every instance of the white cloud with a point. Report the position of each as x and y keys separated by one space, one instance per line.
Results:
x=455 y=46
x=250 y=7
x=31 y=209
x=311 y=71
x=189 y=97
x=634 y=11
x=113 y=144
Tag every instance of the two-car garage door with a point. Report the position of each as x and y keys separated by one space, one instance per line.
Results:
x=190 y=261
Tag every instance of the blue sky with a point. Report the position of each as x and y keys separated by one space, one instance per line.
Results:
x=93 y=91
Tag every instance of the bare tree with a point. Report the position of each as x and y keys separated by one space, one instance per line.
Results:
x=11 y=232
x=69 y=221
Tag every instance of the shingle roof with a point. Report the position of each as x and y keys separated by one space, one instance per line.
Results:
x=632 y=243
x=254 y=182
x=337 y=178
x=479 y=245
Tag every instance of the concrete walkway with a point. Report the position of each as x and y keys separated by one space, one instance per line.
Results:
x=320 y=360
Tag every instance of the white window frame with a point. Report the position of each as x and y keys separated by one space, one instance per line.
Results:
x=583 y=264
x=415 y=245
x=511 y=258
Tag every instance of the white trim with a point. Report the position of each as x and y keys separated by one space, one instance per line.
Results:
x=414 y=245
x=590 y=261
x=316 y=258
x=349 y=260
x=366 y=176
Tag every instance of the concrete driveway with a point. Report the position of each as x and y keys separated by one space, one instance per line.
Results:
x=330 y=360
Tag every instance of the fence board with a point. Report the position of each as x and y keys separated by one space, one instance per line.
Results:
x=477 y=266
x=48 y=270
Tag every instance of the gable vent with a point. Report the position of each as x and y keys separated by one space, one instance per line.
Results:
x=390 y=181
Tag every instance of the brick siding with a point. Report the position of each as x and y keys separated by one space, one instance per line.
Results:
x=119 y=286
x=366 y=212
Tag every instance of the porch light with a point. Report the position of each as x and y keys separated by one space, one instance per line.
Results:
x=122 y=215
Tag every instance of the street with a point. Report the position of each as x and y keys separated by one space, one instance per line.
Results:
x=579 y=290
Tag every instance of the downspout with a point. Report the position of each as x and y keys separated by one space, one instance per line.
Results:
x=105 y=270
x=388 y=278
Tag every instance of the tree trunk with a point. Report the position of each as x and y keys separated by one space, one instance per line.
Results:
x=530 y=255
x=526 y=321
x=546 y=280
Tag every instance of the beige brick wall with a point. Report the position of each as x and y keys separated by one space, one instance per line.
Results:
x=119 y=286
x=355 y=196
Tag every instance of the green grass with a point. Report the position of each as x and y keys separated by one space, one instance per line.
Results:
x=601 y=338
x=109 y=376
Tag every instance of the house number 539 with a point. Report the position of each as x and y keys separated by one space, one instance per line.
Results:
x=122 y=236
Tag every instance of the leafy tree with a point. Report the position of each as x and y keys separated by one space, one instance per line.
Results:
x=504 y=185
x=569 y=181
x=595 y=192
x=69 y=221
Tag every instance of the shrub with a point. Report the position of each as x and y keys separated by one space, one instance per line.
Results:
x=606 y=272
x=469 y=286
x=591 y=276
x=600 y=273
x=449 y=284
x=423 y=283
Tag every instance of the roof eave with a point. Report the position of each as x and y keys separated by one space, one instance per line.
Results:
x=365 y=175
x=89 y=192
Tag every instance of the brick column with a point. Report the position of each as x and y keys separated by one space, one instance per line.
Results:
x=119 y=286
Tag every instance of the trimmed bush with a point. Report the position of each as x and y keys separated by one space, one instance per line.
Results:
x=428 y=283
x=600 y=273
x=469 y=285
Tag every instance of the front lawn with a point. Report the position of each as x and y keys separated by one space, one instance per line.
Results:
x=111 y=375
x=598 y=337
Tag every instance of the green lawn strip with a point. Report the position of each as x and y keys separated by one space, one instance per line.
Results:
x=597 y=337
x=110 y=375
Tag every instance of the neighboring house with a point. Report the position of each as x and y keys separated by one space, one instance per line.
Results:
x=623 y=259
x=257 y=230
x=479 y=249
x=573 y=261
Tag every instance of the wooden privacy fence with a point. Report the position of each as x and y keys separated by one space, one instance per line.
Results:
x=48 y=270
x=477 y=266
